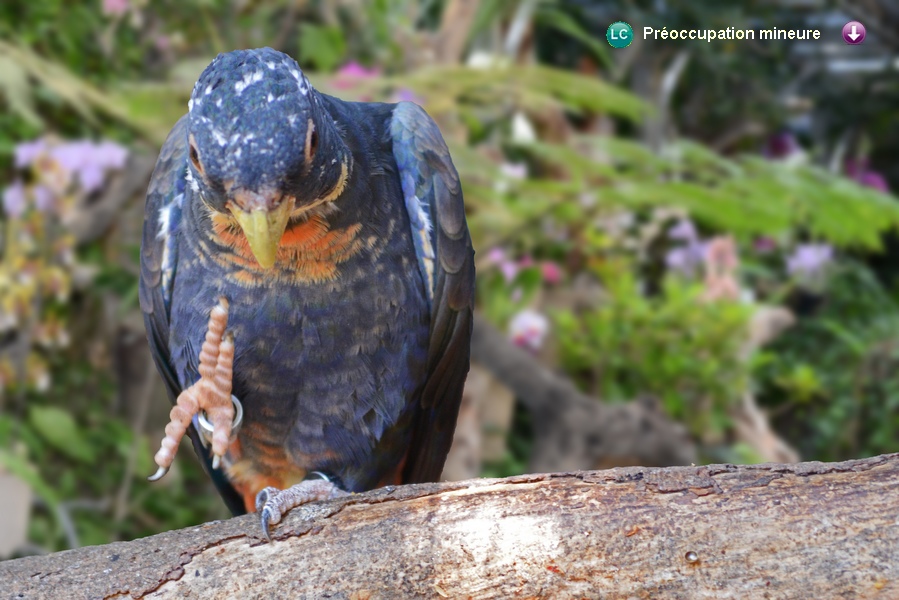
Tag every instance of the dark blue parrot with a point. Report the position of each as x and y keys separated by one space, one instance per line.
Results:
x=320 y=249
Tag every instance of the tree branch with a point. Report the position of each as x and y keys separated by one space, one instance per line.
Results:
x=808 y=530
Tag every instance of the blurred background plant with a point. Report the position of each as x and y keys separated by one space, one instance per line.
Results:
x=705 y=227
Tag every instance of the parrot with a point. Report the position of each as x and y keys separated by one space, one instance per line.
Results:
x=307 y=287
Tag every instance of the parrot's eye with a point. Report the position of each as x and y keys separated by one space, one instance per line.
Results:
x=195 y=158
x=313 y=144
x=311 y=141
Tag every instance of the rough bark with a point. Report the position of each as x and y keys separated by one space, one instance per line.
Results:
x=572 y=430
x=809 y=530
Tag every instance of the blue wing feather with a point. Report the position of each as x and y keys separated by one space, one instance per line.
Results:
x=416 y=193
x=158 y=267
x=169 y=217
x=433 y=197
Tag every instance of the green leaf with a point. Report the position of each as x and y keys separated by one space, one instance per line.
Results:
x=59 y=429
x=566 y=24
x=322 y=46
x=15 y=87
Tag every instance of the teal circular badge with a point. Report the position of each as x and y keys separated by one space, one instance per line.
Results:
x=620 y=34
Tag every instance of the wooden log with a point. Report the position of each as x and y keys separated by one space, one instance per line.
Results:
x=808 y=530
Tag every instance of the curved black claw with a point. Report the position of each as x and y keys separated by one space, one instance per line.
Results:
x=266 y=517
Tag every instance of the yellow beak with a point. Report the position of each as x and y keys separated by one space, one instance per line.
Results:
x=263 y=229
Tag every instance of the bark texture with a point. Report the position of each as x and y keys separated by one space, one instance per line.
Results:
x=809 y=530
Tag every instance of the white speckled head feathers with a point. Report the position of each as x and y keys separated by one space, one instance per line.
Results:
x=251 y=115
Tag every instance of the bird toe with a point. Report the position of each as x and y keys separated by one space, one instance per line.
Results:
x=273 y=503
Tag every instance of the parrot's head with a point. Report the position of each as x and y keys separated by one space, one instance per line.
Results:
x=262 y=147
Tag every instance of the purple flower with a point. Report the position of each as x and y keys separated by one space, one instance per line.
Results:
x=875 y=180
x=528 y=329
x=28 y=152
x=683 y=230
x=91 y=177
x=686 y=260
x=89 y=161
x=14 y=199
x=72 y=155
x=859 y=171
x=514 y=171
x=781 y=145
x=764 y=245
x=44 y=199
x=809 y=260
x=407 y=95
x=110 y=155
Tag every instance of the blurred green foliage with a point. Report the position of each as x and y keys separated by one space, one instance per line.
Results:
x=746 y=196
x=675 y=346
x=87 y=467
x=830 y=381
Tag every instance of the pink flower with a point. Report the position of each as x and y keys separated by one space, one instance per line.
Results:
x=551 y=272
x=496 y=256
x=526 y=262
x=162 y=42
x=528 y=329
x=355 y=70
x=115 y=8
x=509 y=270
x=347 y=74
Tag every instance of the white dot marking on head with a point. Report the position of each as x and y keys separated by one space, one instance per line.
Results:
x=248 y=80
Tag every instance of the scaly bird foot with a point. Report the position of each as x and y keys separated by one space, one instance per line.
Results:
x=272 y=503
x=211 y=394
